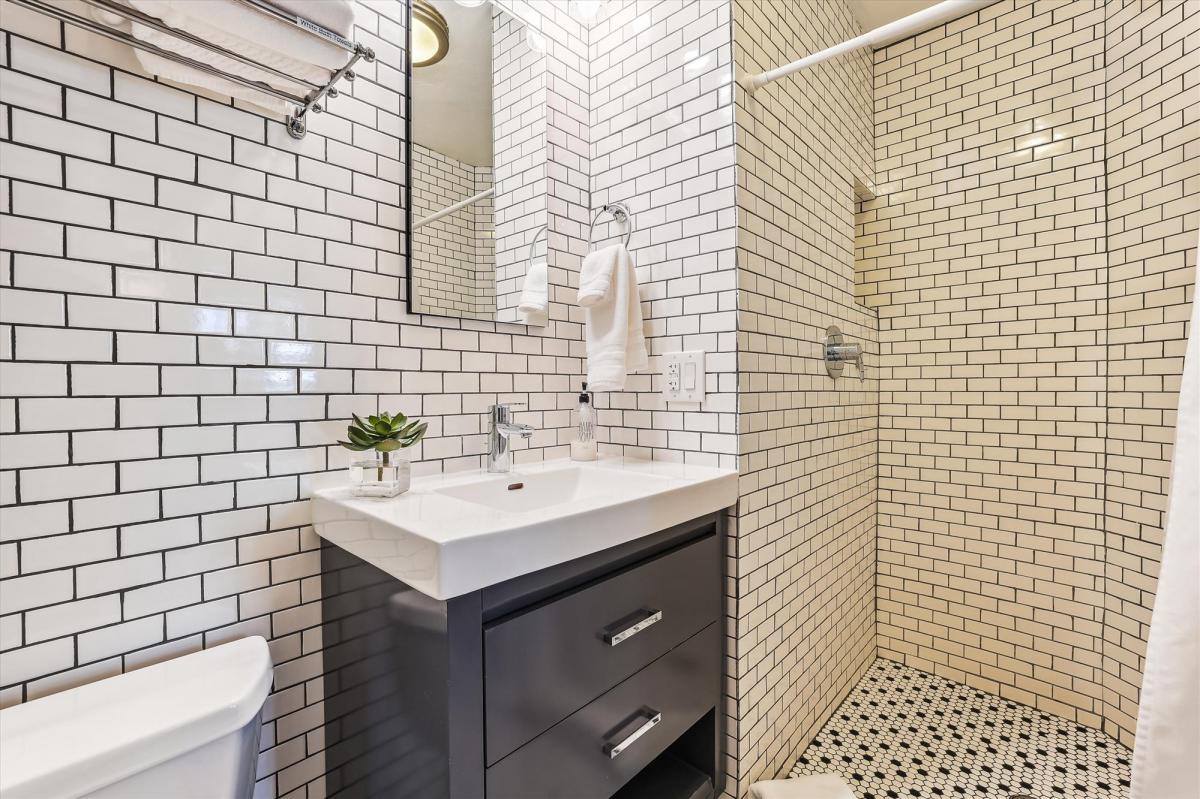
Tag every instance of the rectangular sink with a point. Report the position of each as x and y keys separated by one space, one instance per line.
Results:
x=516 y=492
x=453 y=534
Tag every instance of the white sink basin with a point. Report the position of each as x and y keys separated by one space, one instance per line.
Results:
x=532 y=491
x=453 y=534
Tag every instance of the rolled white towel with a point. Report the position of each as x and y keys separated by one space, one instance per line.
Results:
x=329 y=14
x=244 y=30
x=817 y=786
x=535 y=294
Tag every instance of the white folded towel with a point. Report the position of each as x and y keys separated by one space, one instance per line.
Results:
x=817 y=786
x=246 y=31
x=608 y=293
x=535 y=294
x=329 y=14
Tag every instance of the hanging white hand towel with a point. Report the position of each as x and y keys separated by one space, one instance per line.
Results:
x=612 y=309
x=1166 y=746
x=535 y=294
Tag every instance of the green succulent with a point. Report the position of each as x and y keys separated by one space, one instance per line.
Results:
x=384 y=433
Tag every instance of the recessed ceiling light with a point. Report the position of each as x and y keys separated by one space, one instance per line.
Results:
x=430 y=34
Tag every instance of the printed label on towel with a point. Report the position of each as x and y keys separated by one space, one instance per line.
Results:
x=317 y=29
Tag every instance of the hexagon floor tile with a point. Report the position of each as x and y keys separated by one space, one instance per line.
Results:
x=905 y=734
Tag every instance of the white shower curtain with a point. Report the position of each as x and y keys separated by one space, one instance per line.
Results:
x=1166 y=750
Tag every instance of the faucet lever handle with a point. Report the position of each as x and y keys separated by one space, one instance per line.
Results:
x=499 y=412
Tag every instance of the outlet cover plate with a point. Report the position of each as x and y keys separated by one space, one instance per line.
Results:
x=683 y=376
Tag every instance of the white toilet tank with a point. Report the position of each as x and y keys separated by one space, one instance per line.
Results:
x=187 y=729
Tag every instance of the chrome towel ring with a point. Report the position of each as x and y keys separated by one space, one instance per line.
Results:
x=541 y=234
x=620 y=213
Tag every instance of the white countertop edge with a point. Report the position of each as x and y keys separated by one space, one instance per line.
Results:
x=492 y=547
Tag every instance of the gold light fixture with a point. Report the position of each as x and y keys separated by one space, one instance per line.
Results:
x=430 y=34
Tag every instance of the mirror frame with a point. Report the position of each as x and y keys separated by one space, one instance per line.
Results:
x=408 y=112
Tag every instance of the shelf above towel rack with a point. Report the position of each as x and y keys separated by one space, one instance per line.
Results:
x=311 y=101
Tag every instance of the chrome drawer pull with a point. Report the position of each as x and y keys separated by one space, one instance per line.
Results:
x=614 y=639
x=616 y=749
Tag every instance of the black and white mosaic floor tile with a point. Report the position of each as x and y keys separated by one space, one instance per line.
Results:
x=903 y=734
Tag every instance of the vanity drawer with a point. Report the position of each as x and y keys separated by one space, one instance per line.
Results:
x=546 y=663
x=642 y=716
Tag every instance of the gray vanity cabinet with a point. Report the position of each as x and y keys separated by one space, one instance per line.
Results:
x=591 y=679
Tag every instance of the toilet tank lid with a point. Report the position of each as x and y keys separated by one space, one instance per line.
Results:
x=77 y=741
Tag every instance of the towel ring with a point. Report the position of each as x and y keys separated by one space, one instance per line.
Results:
x=620 y=212
x=541 y=234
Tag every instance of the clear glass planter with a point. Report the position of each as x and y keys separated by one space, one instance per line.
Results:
x=371 y=476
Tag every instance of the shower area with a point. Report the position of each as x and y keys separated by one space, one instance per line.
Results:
x=945 y=572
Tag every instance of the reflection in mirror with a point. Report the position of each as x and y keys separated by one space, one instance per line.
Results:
x=478 y=187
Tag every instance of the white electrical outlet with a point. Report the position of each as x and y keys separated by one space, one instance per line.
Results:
x=683 y=376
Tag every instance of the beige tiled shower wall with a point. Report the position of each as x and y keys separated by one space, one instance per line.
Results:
x=805 y=540
x=1013 y=296
x=1152 y=147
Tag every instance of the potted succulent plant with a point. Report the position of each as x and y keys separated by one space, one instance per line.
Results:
x=379 y=474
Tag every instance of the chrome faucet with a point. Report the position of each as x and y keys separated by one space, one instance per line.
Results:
x=500 y=430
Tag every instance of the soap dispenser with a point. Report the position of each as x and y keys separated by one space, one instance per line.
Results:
x=583 y=448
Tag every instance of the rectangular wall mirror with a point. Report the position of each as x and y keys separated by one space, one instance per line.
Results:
x=478 y=161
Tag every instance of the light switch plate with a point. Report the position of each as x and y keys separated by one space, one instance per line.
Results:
x=683 y=376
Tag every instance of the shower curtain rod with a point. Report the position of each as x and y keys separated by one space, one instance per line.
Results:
x=449 y=209
x=884 y=34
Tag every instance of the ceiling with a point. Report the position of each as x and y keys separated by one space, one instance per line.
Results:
x=873 y=13
x=452 y=99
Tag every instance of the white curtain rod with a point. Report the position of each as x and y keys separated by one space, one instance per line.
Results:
x=893 y=31
x=449 y=209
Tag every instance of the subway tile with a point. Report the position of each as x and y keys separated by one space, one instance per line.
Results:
x=98 y=112
x=88 y=176
x=120 y=638
x=155 y=285
x=140 y=475
x=155 y=348
x=77 y=277
x=37 y=590
x=60 y=136
x=63 y=344
x=111 y=314
x=33 y=449
x=151 y=221
x=59 y=67
x=45 y=202
x=98 y=446
x=104 y=380
x=124 y=573
x=71 y=617
x=65 y=482
x=60 y=551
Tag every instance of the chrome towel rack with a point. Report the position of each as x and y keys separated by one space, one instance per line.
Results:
x=541 y=234
x=311 y=101
x=620 y=213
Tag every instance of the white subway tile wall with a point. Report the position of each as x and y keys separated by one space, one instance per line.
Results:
x=520 y=86
x=1152 y=147
x=662 y=143
x=1031 y=329
x=192 y=305
x=804 y=572
x=454 y=261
